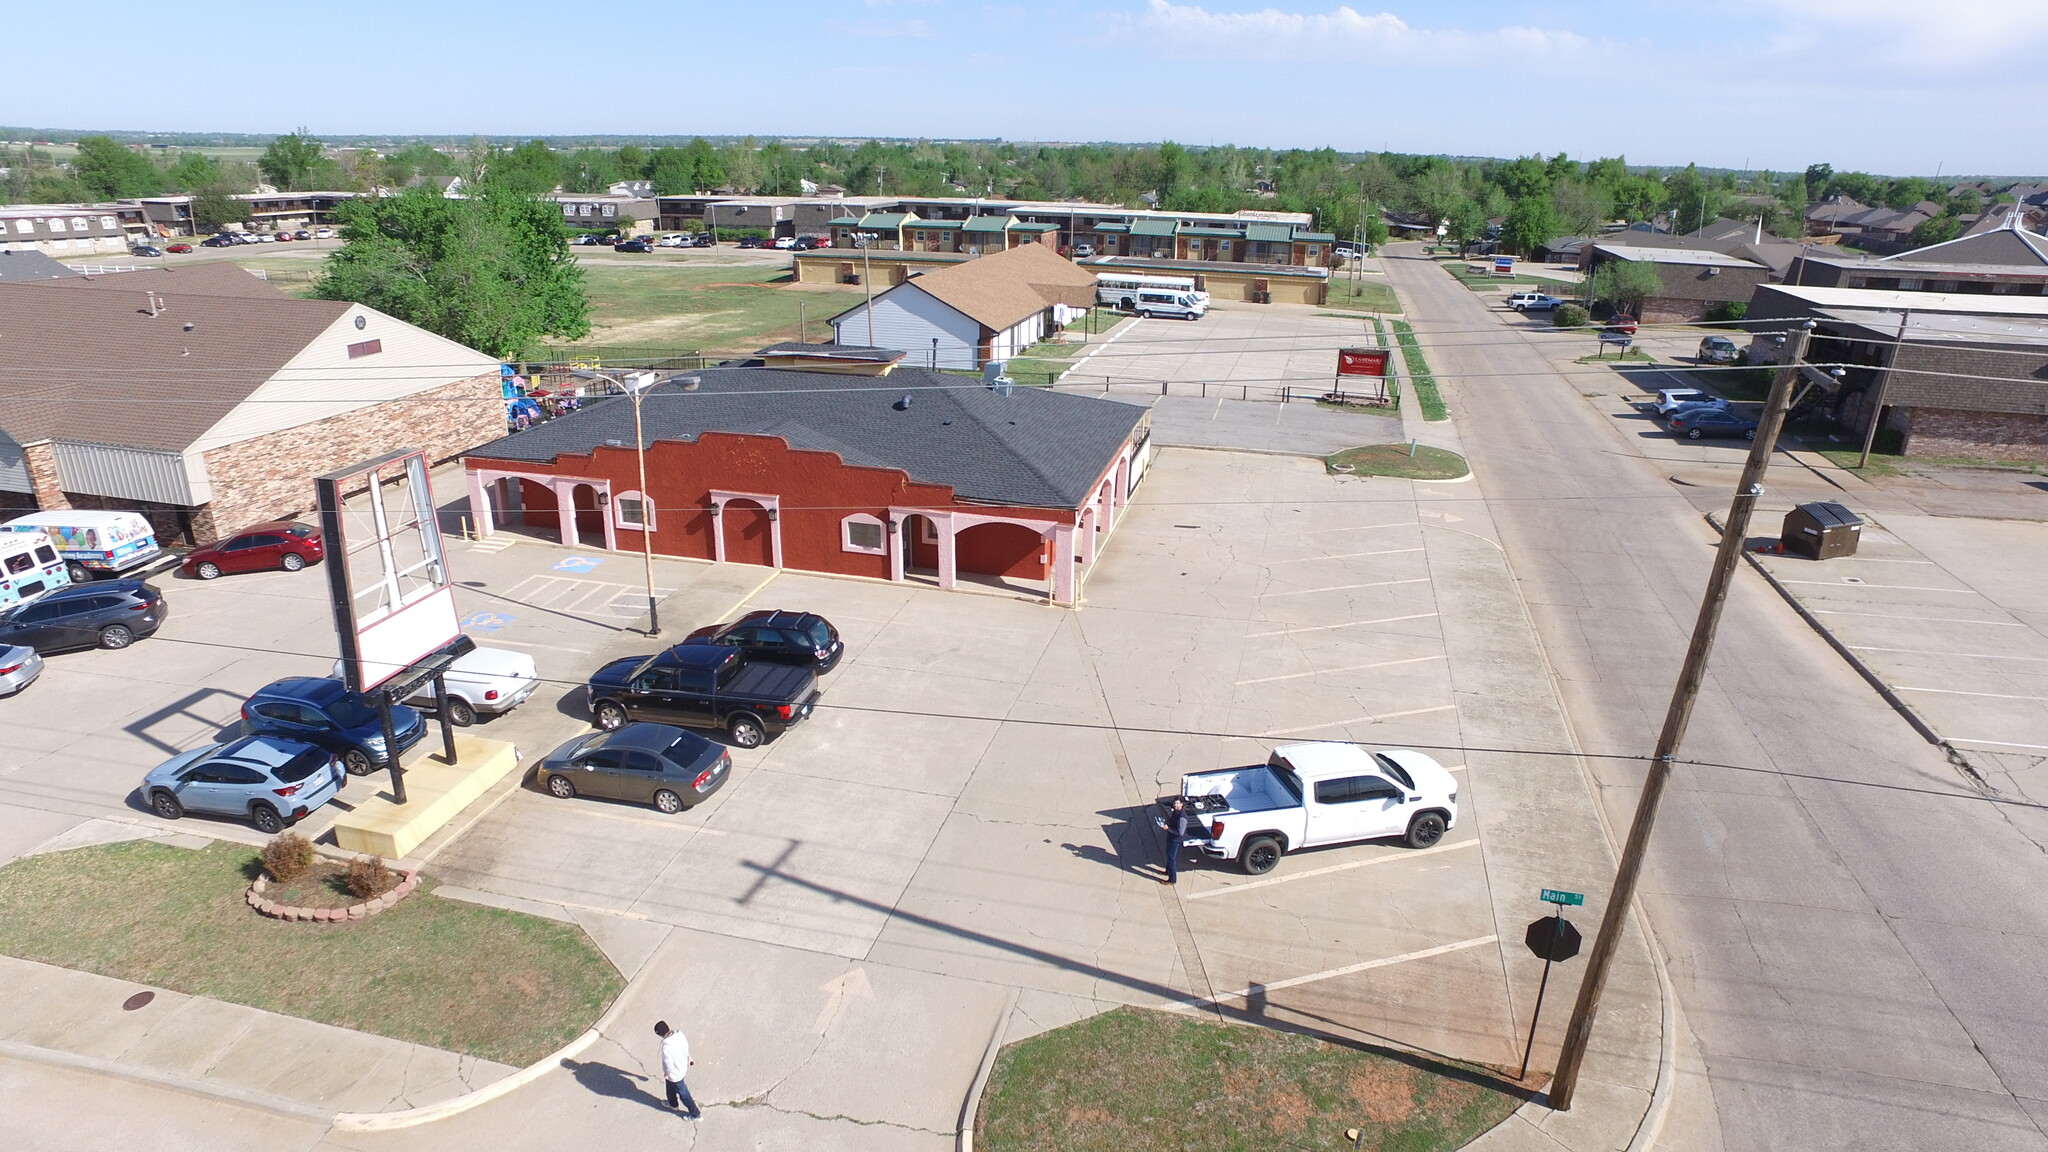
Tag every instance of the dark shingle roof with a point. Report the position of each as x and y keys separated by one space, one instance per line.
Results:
x=27 y=264
x=1032 y=448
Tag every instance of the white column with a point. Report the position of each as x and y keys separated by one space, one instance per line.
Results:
x=896 y=546
x=565 y=511
x=948 y=565
x=718 y=530
x=1087 y=534
x=775 y=531
x=480 y=504
x=1063 y=564
x=603 y=500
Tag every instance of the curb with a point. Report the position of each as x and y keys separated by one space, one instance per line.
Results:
x=354 y=912
x=156 y=1079
x=964 y=1139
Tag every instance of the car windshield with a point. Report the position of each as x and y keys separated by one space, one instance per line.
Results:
x=1398 y=772
x=301 y=766
x=351 y=712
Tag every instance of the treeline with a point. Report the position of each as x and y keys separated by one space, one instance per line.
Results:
x=1533 y=198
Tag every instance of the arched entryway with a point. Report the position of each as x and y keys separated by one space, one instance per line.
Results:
x=1002 y=549
x=589 y=517
x=920 y=543
x=537 y=508
x=749 y=533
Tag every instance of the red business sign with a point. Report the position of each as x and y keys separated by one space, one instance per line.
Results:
x=1362 y=362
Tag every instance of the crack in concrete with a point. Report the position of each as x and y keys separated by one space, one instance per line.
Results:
x=839 y=1117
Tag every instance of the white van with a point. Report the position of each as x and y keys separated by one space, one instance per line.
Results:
x=1178 y=305
x=93 y=544
x=29 y=567
x=1120 y=289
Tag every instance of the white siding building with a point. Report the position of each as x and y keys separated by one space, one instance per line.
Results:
x=966 y=315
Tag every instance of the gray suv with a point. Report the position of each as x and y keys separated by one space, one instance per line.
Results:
x=267 y=780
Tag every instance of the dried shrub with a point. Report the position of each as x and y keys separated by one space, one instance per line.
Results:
x=287 y=857
x=369 y=877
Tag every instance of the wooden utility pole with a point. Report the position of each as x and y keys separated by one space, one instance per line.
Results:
x=1690 y=675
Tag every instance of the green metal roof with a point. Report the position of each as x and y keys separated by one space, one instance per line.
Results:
x=1151 y=227
x=1316 y=237
x=1115 y=227
x=1269 y=233
x=936 y=224
x=884 y=219
x=844 y=222
x=1208 y=230
x=1034 y=227
x=988 y=224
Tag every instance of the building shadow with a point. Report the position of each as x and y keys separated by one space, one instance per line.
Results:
x=187 y=707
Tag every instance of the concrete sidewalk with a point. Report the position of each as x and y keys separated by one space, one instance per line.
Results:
x=281 y=1063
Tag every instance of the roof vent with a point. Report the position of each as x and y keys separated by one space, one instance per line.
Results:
x=902 y=405
x=190 y=325
x=155 y=305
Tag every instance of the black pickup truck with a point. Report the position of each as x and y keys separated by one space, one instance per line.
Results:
x=701 y=686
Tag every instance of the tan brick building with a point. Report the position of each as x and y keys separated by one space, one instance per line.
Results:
x=207 y=399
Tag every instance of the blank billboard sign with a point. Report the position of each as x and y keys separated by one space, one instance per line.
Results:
x=387 y=567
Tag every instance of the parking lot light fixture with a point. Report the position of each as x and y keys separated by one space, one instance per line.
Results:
x=636 y=385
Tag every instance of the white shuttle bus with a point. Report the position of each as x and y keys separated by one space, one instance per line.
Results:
x=1174 y=296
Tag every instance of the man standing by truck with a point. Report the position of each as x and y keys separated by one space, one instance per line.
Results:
x=1176 y=832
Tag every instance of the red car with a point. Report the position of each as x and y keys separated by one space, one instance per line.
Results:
x=285 y=544
x=1622 y=322
x=179 y=248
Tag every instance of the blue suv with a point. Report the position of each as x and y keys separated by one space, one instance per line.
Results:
x=325 y=712
x=270 y=782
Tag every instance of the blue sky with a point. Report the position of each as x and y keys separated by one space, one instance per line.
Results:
x=1893 y=86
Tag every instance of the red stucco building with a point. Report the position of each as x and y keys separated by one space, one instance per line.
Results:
x=818 y=471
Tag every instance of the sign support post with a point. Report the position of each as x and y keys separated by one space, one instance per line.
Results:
x=1550 y=951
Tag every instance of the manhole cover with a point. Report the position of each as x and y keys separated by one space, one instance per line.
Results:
x=139 y=1000
x=1852 y=579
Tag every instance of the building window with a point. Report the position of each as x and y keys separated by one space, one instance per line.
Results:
x=80 y=224
x=611 y=210
x=24 y=226
x=1855 y=281
x=862 y=533
x=630 y=510
x=56 y=223
x=1909 y=284
x=365 y=348
x=107 y=222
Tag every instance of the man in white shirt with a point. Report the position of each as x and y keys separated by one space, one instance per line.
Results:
x=675 y=1064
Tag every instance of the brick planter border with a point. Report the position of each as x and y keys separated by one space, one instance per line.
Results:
x=363 y=911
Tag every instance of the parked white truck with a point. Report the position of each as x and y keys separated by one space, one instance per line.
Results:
x=1313 y=795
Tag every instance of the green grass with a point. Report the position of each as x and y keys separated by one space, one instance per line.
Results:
x=1405 y=461
x=1097 y=321
x=1636 y=355
x=1426 y=394
x=1488 y=279
x=1132 y=1080
x=482 y=981
x=712 y=308
x=1035 y=372
x=1362 y=295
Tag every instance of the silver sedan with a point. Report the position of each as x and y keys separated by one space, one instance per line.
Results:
x=19 y=668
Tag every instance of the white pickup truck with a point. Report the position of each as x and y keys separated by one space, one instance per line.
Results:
x=1312 y=795
x=486 y=681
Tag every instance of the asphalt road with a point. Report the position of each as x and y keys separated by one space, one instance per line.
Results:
x=1856 y=937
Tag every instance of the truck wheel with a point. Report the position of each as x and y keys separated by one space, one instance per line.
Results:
x=1260 y=855
x=78 y=573
x=460 y=713
x=1425 y=830
x=610 y=716
x=745 y=731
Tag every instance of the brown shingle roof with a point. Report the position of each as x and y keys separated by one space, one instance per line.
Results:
x=1002 y=288
x=82 y=358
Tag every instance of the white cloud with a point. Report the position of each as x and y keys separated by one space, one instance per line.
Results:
x=1913 y=34
x=1271 y=32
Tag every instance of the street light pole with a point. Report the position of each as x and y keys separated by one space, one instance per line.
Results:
x=1691 y=674
x=861 y=240
x=636 y=386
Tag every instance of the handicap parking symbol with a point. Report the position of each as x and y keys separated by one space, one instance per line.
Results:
x=485 y=621
x=578 y=563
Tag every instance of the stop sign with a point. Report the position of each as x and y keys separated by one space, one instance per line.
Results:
x=1553 y=938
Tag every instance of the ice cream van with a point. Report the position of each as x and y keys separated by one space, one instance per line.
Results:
x=93 y=544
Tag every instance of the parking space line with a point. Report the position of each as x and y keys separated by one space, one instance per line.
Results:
x=557 y=647
x=1959 y=692
x=1994 y=743
x=1362 y=720
x=1350 y=624
x=1963 y=655
x=1889 y=560
x=1344 y=556
x=589 y=810
x=1361 y=528
x=1346 y=587
x=1918 y=619
x=1348 y=969
x=1895 y=587
x=1333 y=671
x=1293 y=876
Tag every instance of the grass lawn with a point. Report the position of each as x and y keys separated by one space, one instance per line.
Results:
x=1132 y=1080
x=501 y=985
x=1633 y=354
x=1362 y=295
x=1416 y=462
x=1426 y=394
x=1488 y=279
x=717 y=308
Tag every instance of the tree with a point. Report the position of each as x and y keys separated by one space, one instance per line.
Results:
x=1625 y=283
x=1695 y=202
x=109 y=170
x=492 y=271
x=1468 y=220
x=671 y=172
x=1525 y=177
x=214 y=208
x=632 y=161
x=194 y=170
x=1816 y=182
x=1529 y=224
x=1580 y=206
x=289 y=161
x=1941 y=229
